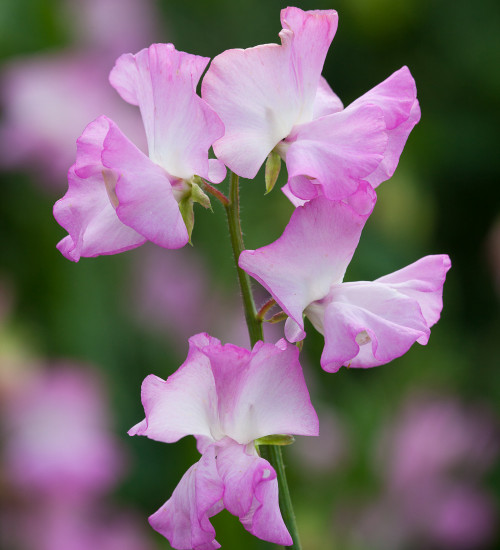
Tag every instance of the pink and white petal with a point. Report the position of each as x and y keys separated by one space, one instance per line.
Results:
x=396 y=142
x=251 y=493
x=361 y=201
x=291 y=197
x=203 y=442
x=368 y=324
x=252 y=92
x=313 y=32
x=270 y=395
x=259 y=393
x=397 y=97
x=305 y=188
x=311 y=255
x=293 y=333
x=145 y=198
x=216 y=171
x=89 y=146
x=87 y=214
x=338 y=151
x=326 y=101
x=184 y=404
x=180 y=126
x=124 y=78
x=184 y=518
x=127 y=74
x=423 y=281
x=229 y=365
x=260 y=93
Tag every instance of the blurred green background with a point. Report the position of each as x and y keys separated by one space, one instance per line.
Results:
x=443 y=198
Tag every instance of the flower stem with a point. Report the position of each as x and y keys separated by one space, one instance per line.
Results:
x=272 y=453
x=233 y=219
x=215 y=193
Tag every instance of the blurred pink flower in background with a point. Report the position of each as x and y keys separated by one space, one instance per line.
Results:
x=433 y=458
x=174 y=294
x=493 y=254
x=49 y=98
x=435 y=435
x=327 y=453
x=59 y=440
x=135 y=24
x=58 y=527
x=60 y=459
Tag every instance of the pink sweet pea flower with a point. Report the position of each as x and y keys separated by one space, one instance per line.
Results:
x=365 y=324
x=227 y=397
x=273 y=98
x=118 y=197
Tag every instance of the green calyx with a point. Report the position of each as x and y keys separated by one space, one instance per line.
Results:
x=186 y=204
x=278 y=439
x=273 y=165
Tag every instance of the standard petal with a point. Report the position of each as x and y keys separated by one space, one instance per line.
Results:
x=271 y=397
x=260 y=93
x=397 y=97
x=89 y=217
x=311 y=255
x=274 y=398
x=145 y=199
x=261 y=392
x=180 y=126
x=184 y=518
x=251 y=493
x=184 y=404
x=367 y=324
x=313 y=32
x=423 y=281
x=336 y=152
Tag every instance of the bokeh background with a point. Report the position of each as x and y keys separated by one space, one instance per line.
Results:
x=408 y=452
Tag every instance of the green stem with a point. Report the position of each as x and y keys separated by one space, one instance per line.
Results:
x=272 y=453
x=233 y=219
x=215 y=192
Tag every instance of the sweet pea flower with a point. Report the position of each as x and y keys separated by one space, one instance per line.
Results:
x=227 y=397
x=118 y=197
x=272 y=98
x=365 y=324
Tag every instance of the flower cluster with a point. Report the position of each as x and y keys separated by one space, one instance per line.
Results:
x=267 y=102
